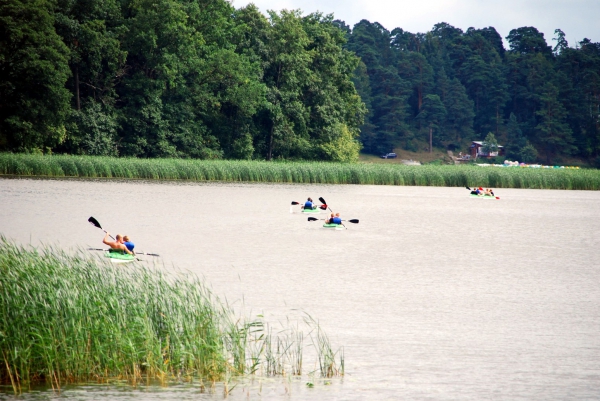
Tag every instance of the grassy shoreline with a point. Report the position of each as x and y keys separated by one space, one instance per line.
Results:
x=72 y=318
x=57 y=166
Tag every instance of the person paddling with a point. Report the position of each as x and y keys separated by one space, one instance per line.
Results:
x=336 y=219
x=309 y=204
x=117 y=244
x=329 y=220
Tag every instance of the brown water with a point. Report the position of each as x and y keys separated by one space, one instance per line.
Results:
x=434 y=295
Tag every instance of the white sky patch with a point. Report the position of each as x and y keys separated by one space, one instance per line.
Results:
x=578 y=19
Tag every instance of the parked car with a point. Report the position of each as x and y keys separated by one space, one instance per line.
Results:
x=389 y=156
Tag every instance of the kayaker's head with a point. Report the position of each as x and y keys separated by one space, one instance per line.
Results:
x=119 y=238
x=310 y=199
x=126 y=238
x=337 y=215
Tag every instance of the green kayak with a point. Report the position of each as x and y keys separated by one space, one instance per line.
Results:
x=119 y=256
x=317 y=210
x=337 y=226
x=483 y=197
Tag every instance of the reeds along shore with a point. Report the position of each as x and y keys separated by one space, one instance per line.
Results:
x=71 y=318
x=297 y=172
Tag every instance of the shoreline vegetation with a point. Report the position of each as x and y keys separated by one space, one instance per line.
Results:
x=58 y=166
x=71 y=318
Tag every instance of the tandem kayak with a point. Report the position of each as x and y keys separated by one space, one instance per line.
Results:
x=334 y=226
x=119 y=256
x=483 y=196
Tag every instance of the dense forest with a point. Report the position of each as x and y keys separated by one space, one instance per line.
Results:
x=175 y=78
x=538 y=101
x=201 y=79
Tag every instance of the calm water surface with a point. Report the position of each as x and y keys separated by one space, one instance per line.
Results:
x=434 y=295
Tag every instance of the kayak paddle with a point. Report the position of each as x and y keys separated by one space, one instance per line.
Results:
x=355 y=221
x=325 y=204
x=95 y=223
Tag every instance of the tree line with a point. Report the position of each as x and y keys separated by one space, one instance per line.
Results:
x=201 y=79
x=175 y=78
x=540 y=102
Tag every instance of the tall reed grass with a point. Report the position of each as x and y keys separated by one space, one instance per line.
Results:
x=297 y=172
x=72 y=318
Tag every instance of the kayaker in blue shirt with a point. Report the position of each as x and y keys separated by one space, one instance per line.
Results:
x=309 y=204
x=130 y=245
x=337 y=219
x=329 y=220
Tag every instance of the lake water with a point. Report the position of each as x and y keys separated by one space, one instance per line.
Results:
x=434 y=295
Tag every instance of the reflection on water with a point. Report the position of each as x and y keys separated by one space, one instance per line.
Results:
x=434 y=295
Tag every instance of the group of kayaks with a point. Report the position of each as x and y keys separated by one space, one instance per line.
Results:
x=309 y=207
x=118 y=256
x=481 y=193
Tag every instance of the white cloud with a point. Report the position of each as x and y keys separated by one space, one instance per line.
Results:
x=577 y=18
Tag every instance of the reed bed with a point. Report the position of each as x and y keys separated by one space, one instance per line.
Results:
x=72 y=318
x=297 y=172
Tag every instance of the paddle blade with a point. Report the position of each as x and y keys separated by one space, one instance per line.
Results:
x=312 y=219
x=95 y=222
x=468 y=188
x=355 y=221
x=295 y=203
x=323 y=207
x=323 y=201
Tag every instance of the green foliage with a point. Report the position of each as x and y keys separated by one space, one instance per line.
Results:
x=344 y=148
x=297 y=172
x=480 y=84
x=200 y=79
x=528 y=154
x=490 y=144
x=93 y=131
x=34 y=102
x=88 y=320
x=552 y=129
x=387 y=122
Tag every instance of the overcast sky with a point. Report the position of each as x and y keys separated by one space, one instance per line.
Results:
x=578 y=19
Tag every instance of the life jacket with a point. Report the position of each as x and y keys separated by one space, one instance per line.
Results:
x=308 y=205
x=130 y=245
x=336 y=220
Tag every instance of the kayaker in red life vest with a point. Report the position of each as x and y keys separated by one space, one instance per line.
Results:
x=309 y=204
x=116 y=244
